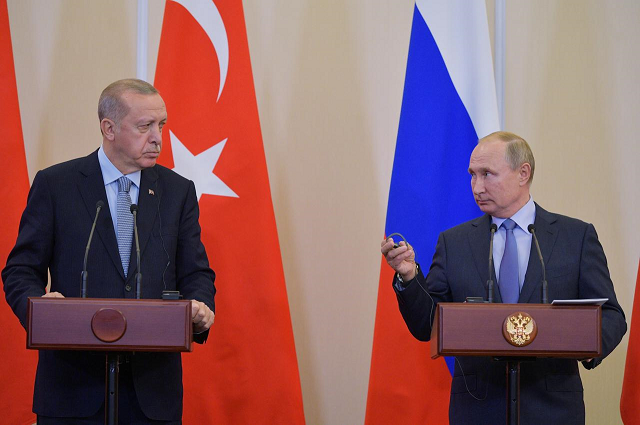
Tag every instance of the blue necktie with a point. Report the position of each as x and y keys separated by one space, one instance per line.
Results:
x=125 y=222
x=508 y=282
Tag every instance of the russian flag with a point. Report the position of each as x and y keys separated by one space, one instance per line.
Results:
x=449 y=102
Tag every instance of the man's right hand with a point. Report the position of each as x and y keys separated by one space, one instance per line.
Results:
x=401 y=259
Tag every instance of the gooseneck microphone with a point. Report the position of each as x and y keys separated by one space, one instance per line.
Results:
x=532 y=230
x=85 y=274
x=492 y=271
x=134 y=211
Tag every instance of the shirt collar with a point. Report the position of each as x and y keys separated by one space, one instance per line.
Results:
x=110 y=173
x=523 y=218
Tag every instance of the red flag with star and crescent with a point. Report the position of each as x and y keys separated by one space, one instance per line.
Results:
x=630 y=398
x=247 y=372
x=18 y=365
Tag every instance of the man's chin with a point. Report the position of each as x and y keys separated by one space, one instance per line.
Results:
x=148 y=162
x=485 y=207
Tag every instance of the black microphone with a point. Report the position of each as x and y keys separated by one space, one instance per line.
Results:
x=532 y=230
x=134 y=211
x=85 y=274
x=492 y=272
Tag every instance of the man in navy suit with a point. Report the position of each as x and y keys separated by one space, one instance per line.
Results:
x=501 y=169
x=54 y=229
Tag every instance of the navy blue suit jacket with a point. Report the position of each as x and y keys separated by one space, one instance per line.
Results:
x=53 y=233
x=551 y=389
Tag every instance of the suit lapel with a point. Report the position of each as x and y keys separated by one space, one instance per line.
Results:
x=148 y=198
x=91 y=186
x=479 y=245
x=547 y=235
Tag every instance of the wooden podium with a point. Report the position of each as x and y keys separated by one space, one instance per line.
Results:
x=504 y=331
x=112 y=326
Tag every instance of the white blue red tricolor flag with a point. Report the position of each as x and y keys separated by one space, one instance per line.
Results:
x=449 y=102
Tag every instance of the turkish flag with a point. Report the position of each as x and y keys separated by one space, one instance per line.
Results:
x=247 y=372
x=17 y=365
x=630 y=399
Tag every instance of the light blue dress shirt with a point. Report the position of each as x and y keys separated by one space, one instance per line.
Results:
x=110 y=176
x=523 y=218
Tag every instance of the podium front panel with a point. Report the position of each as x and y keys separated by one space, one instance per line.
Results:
x=476 y=329
x=109 y=324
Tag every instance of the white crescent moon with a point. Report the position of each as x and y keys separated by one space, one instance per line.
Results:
x=207 y=15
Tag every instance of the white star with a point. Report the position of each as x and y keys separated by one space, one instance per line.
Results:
x=199 y=168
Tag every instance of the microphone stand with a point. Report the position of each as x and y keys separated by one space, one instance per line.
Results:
x=134 y=211
x=113 y=359
x=84 y=274
x=532 y=230
x=111 y=396
x=490 y=283
x=513 y=364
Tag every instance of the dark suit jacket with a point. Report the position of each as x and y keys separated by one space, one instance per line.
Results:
x=551 y=389
x=53 y=233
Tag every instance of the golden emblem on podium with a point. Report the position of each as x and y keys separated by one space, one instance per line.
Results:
x=519 y=329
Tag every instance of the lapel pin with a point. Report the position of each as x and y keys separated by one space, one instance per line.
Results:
x=151 y=192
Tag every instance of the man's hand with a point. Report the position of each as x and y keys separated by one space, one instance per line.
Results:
x=201 y=316
x=401 y=259
x=53 y=295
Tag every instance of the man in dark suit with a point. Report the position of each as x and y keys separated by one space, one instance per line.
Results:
x=54 y=229
x=501 y=168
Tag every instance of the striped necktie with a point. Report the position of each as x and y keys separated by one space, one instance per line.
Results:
x=125 y=222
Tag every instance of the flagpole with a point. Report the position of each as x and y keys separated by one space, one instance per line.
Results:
x=499 y=48
x=142 y=40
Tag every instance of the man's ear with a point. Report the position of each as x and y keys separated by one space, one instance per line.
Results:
x=525 y=174
x=108 y=128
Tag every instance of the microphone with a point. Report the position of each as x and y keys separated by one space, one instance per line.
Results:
x=85 y=274
x=134 y=211
x=532 y=230
x=166 y=294
x=492 y=271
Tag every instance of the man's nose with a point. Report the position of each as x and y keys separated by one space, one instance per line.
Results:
x=477 y=186
x=155 y=136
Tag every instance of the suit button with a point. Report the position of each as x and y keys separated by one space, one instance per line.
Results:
x=127 y=288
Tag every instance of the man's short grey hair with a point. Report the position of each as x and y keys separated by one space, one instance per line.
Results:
x=111 y=105
x=518 y=151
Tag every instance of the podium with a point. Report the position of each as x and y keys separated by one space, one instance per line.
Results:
x=110 y=325
x=515 y=332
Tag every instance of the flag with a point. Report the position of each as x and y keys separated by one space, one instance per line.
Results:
x=18 y=365
x=247 y=372
x=449 y=102
x=630 y=399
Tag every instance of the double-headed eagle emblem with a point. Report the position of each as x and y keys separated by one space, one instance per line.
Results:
x=519 y=329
